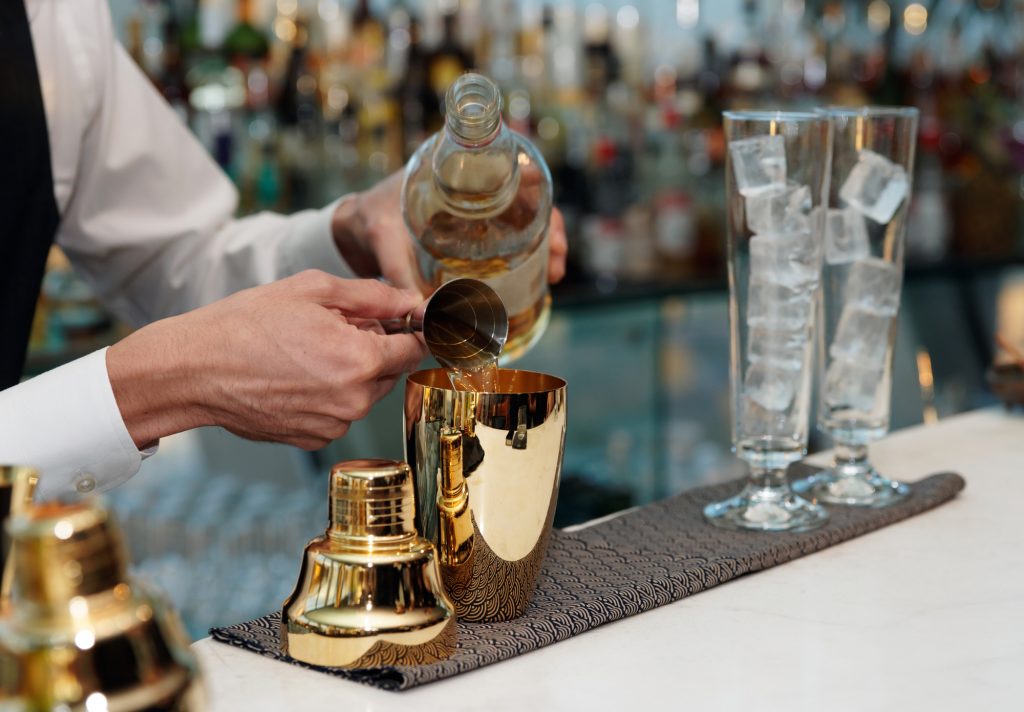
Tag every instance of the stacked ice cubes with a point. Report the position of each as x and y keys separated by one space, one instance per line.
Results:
x=874 y=190
x=859 y=347
x=785 y=268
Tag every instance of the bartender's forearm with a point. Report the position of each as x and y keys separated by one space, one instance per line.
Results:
x=155 y=381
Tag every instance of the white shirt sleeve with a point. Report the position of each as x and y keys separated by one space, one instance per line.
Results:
x=66 y=424
x=147 y=220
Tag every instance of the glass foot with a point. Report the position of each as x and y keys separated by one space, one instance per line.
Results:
x=861 y=489
x=775 y=509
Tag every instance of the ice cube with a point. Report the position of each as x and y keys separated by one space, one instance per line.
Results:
x=874 y=285
x=851 y=385
x=759 y=163
x=876 y=186
x=846 y=236
x=791 y=258
x=777 y=209
x=759 y=422
x=771 y=386
x=782 y=349
x=777 y=306
x=862 y=337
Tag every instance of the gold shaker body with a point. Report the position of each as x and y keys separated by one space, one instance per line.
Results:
x=79 y=633
x=369 y=592
x=487 y=467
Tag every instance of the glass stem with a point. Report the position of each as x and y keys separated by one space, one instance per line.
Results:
x=852 y=460
x=767 y=478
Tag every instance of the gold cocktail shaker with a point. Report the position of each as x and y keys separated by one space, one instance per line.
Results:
x=79 y=634
x=369 y=593
x=487 y=466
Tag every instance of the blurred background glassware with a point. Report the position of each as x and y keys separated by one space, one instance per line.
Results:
x=865 y=232
x=777 y=177
x=369 y=592
x=80 y=634
x=17 y=486
x=464 y=324
x=487 y=467
x=477 y=200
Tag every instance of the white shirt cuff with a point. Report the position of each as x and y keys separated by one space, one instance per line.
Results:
x=66 y=423
x=312 y=243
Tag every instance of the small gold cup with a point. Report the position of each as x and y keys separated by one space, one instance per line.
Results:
x=487 y=467
x=79 y=634
x=369 y=593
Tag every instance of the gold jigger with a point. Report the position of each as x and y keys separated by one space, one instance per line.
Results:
x=487 y=467
x=79 y=634
x=17 y=485
x=369 y=593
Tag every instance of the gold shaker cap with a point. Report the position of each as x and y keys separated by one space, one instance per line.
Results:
x=372 y=498
x=369 y=593
x=65 y=550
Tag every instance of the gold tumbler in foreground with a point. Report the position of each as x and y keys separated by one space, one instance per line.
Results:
x=17 y=486
x=369 y=593
x=487 y=467
x=79 y=634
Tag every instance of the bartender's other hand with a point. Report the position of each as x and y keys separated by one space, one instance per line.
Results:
x=296 y=361
x=371 y=235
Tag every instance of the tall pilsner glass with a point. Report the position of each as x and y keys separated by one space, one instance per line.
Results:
x=777 y=180
x=872 y=169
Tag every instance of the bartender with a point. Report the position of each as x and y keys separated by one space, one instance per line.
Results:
x=258 y=325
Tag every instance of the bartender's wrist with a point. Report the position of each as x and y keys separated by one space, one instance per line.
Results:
x=349 y=229
x=156 y=382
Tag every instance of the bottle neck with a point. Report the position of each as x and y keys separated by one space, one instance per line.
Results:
x=475 y=160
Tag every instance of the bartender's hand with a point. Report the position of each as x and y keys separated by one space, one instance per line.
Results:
x=296 y=361
x=372 y=237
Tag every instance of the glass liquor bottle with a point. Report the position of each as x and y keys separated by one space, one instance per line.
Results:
x=477 y=201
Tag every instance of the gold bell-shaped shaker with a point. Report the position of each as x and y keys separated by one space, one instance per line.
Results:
x=17 y=486
x=79 y=634
x=369 y=592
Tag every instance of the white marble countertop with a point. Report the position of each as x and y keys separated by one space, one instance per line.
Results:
x=927 y=614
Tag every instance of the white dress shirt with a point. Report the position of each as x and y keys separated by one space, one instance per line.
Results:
x=146 y=218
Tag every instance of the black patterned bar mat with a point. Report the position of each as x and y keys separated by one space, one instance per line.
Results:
x=646 y=558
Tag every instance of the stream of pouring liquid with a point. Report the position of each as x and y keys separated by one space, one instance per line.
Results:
x=476 y=380
x=467 y=348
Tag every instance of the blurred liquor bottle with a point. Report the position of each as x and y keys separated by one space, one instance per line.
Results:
x=369 y=37
x=673 y=223
x=245 y=44
x=416 y=98
x=298 y=115
x=445 y=63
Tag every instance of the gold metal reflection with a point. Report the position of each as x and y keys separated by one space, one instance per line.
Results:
x=369 y=592
x=78 y=631
x=487 y=467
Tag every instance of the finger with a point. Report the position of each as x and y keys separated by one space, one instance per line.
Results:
x=398 y=265
x=558 y=246
x=384 y=386
x=530 y=175
x=371 y=325
x=365 y=298
x=399 y=353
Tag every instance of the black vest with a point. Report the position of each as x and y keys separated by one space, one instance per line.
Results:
x=28 y=210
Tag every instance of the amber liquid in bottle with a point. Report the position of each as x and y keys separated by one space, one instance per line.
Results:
x=477 y=201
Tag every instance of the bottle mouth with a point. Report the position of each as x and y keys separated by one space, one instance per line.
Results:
x=473 y=109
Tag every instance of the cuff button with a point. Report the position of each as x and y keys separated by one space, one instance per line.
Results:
x=85 y=485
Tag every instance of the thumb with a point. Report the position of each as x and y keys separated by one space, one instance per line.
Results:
x=367 y=298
